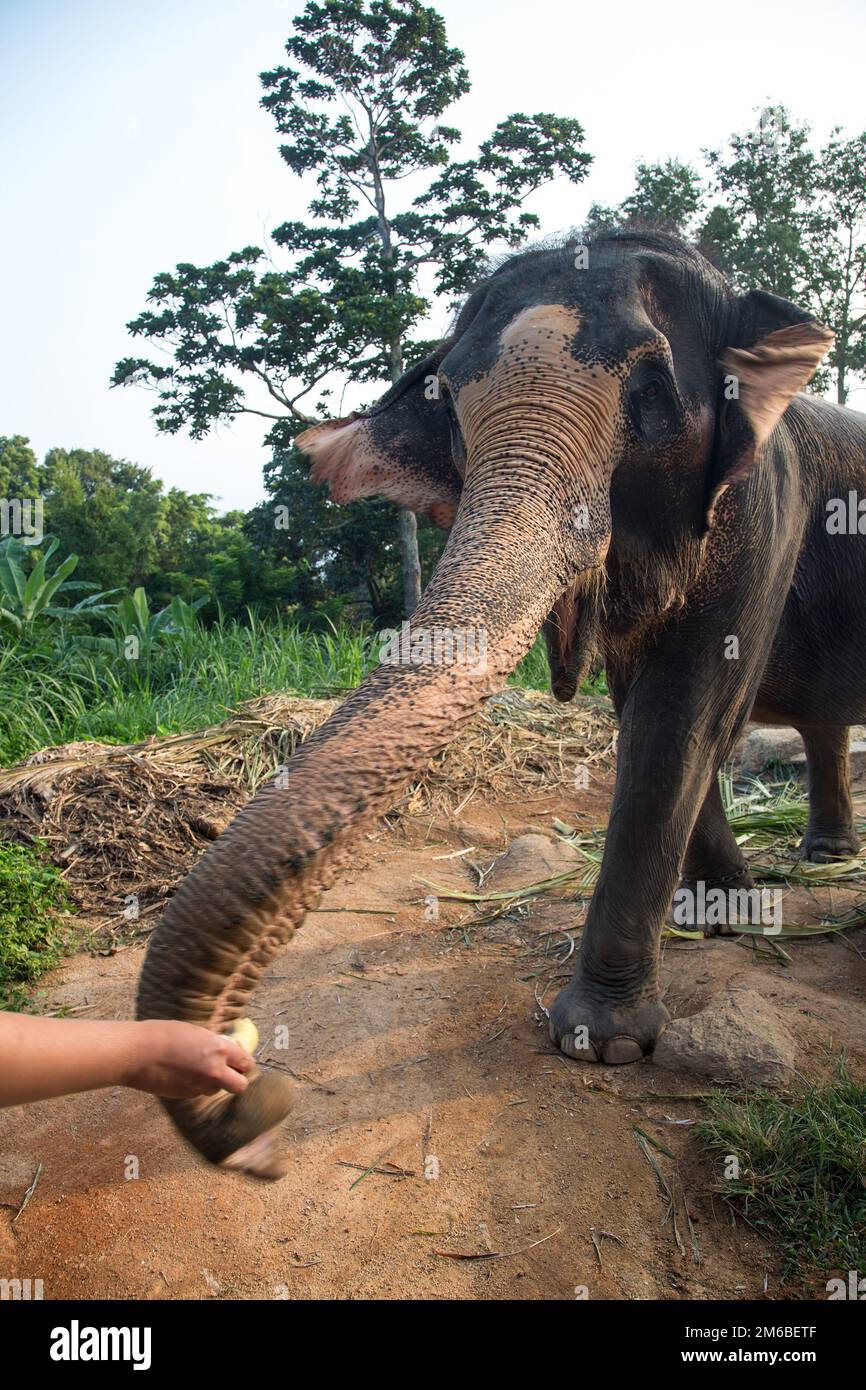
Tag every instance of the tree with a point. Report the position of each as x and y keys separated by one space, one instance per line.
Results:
x=105 y=510
x=18 y=470
x=782 y=216
x=793 y=221
x=359 y=106
x=837 y=279
x=763 y=229
x=334 y=559
x=668 y=194
x=128 y=533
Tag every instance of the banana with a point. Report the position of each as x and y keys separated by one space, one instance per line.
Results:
x=244 y=1032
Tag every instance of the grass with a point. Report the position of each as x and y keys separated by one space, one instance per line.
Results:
x=802 y=1170
x=32 y=901
x=60 y=692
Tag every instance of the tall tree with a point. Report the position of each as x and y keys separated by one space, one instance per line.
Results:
x=764 y=224
x=104 y=510
x=18 y=468
x=837 y=279
x=359 y=106
x=792 y=219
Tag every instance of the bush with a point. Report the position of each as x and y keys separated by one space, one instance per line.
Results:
x=33 y=898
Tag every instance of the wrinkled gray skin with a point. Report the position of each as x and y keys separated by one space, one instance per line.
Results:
x=623 y=458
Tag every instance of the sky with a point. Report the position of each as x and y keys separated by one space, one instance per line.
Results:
x=131 y=138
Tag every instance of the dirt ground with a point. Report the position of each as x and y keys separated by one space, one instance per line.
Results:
x=500 y=1169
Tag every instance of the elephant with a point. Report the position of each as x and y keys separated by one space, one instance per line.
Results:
x=620 y=445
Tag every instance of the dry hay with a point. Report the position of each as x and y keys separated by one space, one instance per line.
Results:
x=133 y=819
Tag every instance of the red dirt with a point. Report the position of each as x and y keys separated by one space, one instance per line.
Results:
x=415 y=1041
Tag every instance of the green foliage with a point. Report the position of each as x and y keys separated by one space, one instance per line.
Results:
x=128 y=532
x=837 y=276
x=18 y=476
x=669 y=194
x=802 y=1169
x=32 y=899
x=104 y=509
x=85 y=690
x=343 y=561
x=767 y=179
x=26 y=597
x=792 y=219
x=136 y=630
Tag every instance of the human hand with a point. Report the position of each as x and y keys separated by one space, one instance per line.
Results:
x=182 y=1060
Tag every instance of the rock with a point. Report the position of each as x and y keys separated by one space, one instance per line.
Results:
x=739 y=1037
x=857 y=755
x=529 y=859
x=767 y=744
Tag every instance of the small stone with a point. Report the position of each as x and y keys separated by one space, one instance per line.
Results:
x=740 y=1037
x=766 y=746
x=529 y=859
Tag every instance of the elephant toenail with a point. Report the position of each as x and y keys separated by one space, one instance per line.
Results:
x=574 y=1045
x=620 y=1050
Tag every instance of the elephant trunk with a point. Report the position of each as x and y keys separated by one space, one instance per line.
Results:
x=507 y=560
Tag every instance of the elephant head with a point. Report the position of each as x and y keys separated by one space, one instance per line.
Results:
x=575 y=431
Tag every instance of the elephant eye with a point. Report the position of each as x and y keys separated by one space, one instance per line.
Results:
x=654 y=405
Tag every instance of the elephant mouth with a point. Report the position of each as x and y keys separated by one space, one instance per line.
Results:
x=571 y=632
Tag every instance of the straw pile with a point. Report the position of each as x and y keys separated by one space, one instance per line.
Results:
x=133 y=819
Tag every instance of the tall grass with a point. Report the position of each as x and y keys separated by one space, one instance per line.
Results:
x=61 y=691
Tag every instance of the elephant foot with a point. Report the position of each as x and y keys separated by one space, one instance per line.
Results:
x=822 y=848
x=699 y=895
x=590 y=1027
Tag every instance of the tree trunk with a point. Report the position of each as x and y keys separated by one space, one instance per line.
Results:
x=410 y=561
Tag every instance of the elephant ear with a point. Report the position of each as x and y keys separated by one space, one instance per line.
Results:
x=779 y=347
x=401 y=449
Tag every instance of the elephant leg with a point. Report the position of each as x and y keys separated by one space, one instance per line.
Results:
x=830 y=833
x=713 y=857
x=673 y=737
